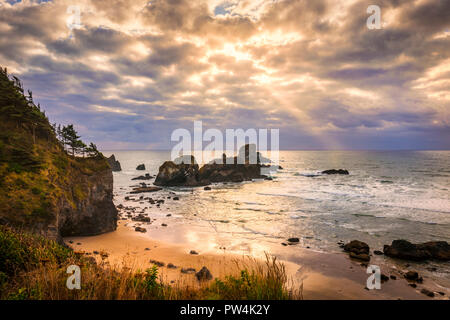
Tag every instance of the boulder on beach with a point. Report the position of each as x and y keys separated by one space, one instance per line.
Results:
x=358 y=250
x=114 y=164
x=412 y=275
x=359 y=256
x=157 y=263
x=140 y=167
x=204 y=274
x=402 y=249
x=141 y=218
x=357 y=246
x=336 y=171
x=427 y=292
x=140 y=229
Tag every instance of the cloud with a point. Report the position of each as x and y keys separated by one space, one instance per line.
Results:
x=136 y=70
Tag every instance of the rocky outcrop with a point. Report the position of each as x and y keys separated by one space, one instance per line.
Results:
x=402 y=249
x=336 y=171
x=114 y=164
x=187 y=173
x=183 y=174
x=91 y=210
x=358 y=250
x=140 y=167
x=171 y=174
x=230 y=172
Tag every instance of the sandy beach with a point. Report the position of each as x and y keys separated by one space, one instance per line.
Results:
x=324 y=276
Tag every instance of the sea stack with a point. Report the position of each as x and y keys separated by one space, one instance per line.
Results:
x=114 y=164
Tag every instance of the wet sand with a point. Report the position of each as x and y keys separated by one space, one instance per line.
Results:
x=322 y=275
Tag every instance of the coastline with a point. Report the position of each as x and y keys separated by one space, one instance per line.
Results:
x=323 y=275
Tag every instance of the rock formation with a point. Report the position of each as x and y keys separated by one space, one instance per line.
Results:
x=357 y=250
x=183 y=174
x=91 y=210
x=140 y=167
x=189 y=174
x=114 y=164
x=204 y=274
x=402 y=249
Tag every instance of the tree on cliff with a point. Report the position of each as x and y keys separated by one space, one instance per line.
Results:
x=92 y=150
x=71 y=138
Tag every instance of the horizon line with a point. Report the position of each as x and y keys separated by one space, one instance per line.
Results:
x=168 y=150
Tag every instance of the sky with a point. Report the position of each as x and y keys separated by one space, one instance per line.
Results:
x=133 y=71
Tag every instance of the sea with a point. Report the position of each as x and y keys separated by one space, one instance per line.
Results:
x=388 y=195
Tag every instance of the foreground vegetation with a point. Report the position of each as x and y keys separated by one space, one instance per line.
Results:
x=32 y=267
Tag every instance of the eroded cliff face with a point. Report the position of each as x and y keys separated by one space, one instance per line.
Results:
x=91 y=213
x=43 y=189
x=82 y=207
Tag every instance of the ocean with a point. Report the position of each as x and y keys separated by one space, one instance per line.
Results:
x=388 y=195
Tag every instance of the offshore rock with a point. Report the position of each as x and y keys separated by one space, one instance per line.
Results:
x=114 y=164
x=184 y=171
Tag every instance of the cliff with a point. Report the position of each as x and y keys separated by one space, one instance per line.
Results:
x=42 y=188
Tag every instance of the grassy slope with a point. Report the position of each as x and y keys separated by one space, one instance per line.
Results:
x=34 y=169
x=32 y=267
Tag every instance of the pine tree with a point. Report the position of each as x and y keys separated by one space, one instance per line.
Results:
x=92 y=150
x=71 y=138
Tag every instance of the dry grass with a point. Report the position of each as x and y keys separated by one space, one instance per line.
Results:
x=36 y=269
